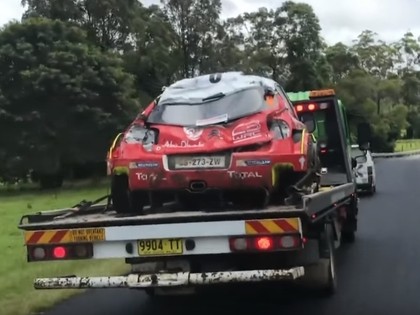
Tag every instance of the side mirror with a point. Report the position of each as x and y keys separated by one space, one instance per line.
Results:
x=364 y=136
x=353 y=163
x=309 y=121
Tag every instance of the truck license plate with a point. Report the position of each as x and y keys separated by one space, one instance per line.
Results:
x=200 y=162
x=160 y=247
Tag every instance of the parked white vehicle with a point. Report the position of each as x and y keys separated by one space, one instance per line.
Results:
x=365 y=170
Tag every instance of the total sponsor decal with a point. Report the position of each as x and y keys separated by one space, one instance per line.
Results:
x=244 y=175
x=183 y=144
x=193 y=134
x=246 y=131
x=147 y=177
x=143 y=164
x=252 y=162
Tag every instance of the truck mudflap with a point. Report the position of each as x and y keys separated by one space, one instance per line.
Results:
x=180 y=279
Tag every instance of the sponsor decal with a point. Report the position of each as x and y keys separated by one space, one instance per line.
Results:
x=252 y=162
x=244 y=175
x=193 y=134
x=147 y=177
x=144 y=164
x=246 y=131
x=183 y=144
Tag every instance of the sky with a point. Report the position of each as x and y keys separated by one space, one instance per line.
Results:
x=341 y=20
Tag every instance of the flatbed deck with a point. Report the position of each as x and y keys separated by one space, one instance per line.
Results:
x=313 y=207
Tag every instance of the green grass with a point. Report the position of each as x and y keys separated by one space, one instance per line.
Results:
x=407 y=145
x=17 y=295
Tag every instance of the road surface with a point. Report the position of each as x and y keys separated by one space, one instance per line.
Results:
x=379 y=274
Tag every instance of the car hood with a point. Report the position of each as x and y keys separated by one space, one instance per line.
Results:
x=243 y=132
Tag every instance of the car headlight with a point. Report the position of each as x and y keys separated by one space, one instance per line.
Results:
x=141 y=135
x=280 y=129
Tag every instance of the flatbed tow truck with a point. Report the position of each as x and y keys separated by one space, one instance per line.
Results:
x=178 y=252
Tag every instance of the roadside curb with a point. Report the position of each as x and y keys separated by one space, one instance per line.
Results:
x=395 y=155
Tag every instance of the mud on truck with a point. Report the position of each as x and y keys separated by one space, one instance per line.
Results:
x=224 y=178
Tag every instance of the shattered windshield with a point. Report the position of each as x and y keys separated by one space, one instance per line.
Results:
x=215 y=109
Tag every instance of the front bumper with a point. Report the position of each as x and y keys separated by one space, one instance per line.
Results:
x=240 y=172
x=180 y=279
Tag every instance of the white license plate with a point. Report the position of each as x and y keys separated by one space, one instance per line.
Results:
x=200 y=162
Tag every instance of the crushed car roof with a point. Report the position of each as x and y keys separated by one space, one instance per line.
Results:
x=201 y=87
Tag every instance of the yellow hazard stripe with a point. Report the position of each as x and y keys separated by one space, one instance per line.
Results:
x=64 y=236
x=273 y=226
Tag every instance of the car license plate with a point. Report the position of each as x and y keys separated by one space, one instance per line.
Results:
x=199 y=162
x=160 y=247
x=87 y=235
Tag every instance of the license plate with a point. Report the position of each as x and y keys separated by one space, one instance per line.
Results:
x=160 y=247
x=87 y=235
x=200 y=162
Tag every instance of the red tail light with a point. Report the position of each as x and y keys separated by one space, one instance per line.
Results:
x=60 y=252
x=265 y=243
x=311 y=107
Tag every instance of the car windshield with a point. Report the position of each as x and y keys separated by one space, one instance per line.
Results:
x=215 y=109
x=358 y=154
x=355 y=152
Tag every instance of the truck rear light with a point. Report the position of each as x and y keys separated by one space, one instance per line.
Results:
x=39 y=253
x=289 y=241
x=265 y=243
x=238 y=244
x=60 y=252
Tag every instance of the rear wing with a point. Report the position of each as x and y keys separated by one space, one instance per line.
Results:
x=95 y=214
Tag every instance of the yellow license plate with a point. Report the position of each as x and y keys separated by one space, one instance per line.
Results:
x=160 y=247
x=87 y=235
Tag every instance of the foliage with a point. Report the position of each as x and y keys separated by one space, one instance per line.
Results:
x=72 y=77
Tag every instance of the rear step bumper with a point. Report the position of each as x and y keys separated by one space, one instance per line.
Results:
x=180 y=279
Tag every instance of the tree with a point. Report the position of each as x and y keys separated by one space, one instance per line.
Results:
x=108 y=23
x=195 y=22
x=304 y=47
x=62 y=98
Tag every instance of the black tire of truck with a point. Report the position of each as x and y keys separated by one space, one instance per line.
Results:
x=123 y=200
x=321 y=278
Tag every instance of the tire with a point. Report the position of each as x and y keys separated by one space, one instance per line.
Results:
x=322 y=277
x=348 y=237
x=123 y=200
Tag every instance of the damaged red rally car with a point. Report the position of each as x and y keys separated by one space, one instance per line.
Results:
x=215 y=141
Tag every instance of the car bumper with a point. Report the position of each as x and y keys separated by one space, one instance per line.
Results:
x=241 y=171
x=364 y=183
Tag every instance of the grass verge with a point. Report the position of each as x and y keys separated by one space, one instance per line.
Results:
x=407 y=145
x=17 y=295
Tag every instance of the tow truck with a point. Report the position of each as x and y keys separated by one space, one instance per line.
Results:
x=175 y=252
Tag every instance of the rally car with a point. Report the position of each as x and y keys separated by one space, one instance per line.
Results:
x=218 y=140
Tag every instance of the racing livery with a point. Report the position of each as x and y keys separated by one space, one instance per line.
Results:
x=217 y=140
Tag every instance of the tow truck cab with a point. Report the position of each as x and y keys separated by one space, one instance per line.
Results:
x=330 y=127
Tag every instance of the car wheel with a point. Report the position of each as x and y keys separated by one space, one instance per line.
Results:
x=322 y=277
x=123 y=200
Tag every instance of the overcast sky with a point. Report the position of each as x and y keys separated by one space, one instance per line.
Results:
x=341 y=20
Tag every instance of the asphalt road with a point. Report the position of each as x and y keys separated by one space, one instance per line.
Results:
x=379 y=274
